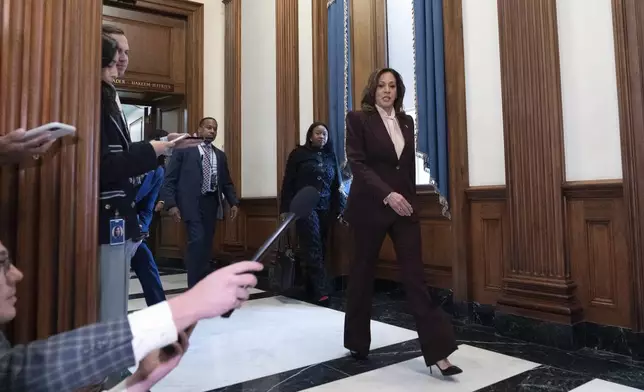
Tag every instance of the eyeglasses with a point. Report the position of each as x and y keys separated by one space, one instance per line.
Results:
x=5 y=264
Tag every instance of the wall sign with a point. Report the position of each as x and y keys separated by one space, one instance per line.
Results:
x=143 y=85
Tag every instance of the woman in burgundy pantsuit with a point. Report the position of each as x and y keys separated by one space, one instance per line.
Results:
x=381 y=154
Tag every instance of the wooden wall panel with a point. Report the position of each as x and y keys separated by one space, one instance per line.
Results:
x=490 y=240
x=596 y=245
x=157 y=46
x=597 y=237
x=538 y=281
x=193 y=13
x=628 y=24
x=459 y=179
x=259 y=221
x=50 y=71
x=232 y=97
x=288 y=83
x=368 y=26
x=320 y=61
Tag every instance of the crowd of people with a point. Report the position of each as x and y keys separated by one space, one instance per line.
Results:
x=194 y=187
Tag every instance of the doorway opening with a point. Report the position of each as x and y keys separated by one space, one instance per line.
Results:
x=162 y=87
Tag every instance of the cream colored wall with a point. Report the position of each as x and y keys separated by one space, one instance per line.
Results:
x=214 y=36
x=588 y=88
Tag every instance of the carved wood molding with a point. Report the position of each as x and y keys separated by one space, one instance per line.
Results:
x=479 y=193
x=195 y=65
x=459 y=178
x=593 y=189
x=537 y=280
x=368 y=26
x=571 y=190
x=50 y=54
x=288 y=82
x=320 y=61
x=232 y=100
x=628 y=24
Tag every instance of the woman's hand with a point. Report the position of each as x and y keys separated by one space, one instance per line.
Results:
x=16 y=146
x=399 y=204
x=175 y=214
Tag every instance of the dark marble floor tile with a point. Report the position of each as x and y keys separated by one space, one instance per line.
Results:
x=609 y=356
x=290 y=381
x=610 y=338
x=537 y=331
x=631 y=376
x=478 y=334
x=580 y=362
x=544 y=378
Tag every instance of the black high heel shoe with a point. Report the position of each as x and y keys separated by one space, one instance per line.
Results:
x=450 y=371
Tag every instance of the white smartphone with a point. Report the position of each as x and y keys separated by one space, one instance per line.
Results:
x=185 y=135
x=57 y=130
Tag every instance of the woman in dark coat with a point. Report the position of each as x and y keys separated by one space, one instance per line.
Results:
x=314 y=164
x=383 y=201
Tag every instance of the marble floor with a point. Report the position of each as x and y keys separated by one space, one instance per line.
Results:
x=278 y=344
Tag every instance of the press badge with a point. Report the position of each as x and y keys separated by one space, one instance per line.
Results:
x=117 y=231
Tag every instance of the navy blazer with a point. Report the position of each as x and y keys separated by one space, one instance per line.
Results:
x=121 y=162
x=183 y=180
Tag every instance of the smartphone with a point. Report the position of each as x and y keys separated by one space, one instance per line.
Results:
x=185 y=135
x=57 y=130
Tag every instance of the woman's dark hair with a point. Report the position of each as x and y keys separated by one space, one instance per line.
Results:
x=109 y=48
x=369 y=95
x=328 y=147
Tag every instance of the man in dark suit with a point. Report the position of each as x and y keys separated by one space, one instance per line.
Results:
x=88 y=355
x=196 y=184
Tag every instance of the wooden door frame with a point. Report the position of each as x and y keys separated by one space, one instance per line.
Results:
x=194 y=14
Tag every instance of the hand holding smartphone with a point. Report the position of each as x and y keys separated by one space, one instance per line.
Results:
x=56 y=130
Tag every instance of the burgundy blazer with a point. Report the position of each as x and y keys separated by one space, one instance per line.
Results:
x=376 y=169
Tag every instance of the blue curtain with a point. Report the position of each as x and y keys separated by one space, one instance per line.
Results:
x=430 y=93
x=340 y=96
